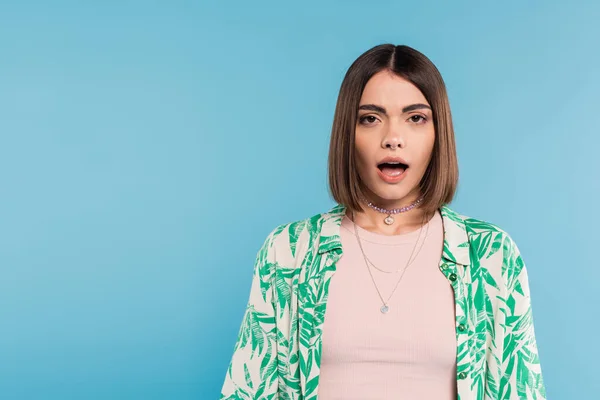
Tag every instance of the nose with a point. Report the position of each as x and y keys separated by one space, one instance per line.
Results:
x=393 y=138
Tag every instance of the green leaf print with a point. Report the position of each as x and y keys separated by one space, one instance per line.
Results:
x=282 y=289
x=248 y=379
x=295 y=229
x=496 y=245
x=279 y=345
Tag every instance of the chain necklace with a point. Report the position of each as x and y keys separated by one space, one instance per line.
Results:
x=389 y=220
x=410 y=262
x=385 y=308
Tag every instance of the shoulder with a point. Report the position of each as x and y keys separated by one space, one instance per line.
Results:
x=490 y=246
x=472 y=225
x=288 y=239
x=480 y=231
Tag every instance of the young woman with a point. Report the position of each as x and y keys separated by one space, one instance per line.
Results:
x=390 y=294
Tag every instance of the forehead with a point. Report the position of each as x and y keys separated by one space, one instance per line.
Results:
x=391 y=91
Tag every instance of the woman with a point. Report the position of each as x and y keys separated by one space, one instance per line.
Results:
x=390 y=294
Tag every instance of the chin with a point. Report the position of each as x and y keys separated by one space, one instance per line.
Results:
x=391 y=193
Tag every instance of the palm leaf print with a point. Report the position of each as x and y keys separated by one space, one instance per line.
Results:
x=278 y=351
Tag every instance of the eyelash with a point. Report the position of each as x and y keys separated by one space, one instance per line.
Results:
x=422 y=118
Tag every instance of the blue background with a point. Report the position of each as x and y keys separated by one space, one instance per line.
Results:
x=147 y=149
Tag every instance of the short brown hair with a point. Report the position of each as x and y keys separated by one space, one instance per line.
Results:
x=441 y=176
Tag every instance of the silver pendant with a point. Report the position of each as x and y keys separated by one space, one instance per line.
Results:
x=389 y=220
x=384 y=309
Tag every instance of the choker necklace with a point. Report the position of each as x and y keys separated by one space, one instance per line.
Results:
x=389 y=219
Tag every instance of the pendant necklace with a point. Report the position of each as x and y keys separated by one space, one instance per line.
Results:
x=385 y=308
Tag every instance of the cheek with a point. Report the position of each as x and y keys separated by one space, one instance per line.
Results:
x=425 y=151
x=361 y=160
x=422 y=156
x=364 y=156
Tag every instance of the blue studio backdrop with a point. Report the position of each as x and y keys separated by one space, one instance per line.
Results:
x=147 y=149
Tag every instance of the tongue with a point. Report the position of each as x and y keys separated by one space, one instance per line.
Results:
x=392 y=171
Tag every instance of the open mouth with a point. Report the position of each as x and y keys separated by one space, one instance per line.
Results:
x=392 y=168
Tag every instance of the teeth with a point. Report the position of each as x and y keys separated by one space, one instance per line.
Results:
x=392 y=163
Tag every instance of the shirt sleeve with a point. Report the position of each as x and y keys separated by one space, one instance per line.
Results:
x=252 y=372
x=521 y=371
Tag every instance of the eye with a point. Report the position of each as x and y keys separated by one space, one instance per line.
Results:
x=367 y=119
x=418 y=119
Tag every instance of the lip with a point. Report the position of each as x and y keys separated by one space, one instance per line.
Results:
x=391 y=179
x=390 y=159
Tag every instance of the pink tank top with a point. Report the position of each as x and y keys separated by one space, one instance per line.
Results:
x=407 y=353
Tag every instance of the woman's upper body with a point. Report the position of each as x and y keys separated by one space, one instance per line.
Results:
x=392 y=149
x=279 y=349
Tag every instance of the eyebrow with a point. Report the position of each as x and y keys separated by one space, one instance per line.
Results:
x=381 y=110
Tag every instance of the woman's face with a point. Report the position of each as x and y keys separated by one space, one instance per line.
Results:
x=394 y=120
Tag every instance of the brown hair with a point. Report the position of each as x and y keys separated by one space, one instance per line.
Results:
x=441 y=177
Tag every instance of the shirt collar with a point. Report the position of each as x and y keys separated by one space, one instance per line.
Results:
x=456 y=241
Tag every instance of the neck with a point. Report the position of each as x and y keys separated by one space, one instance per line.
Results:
x=373 y=220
